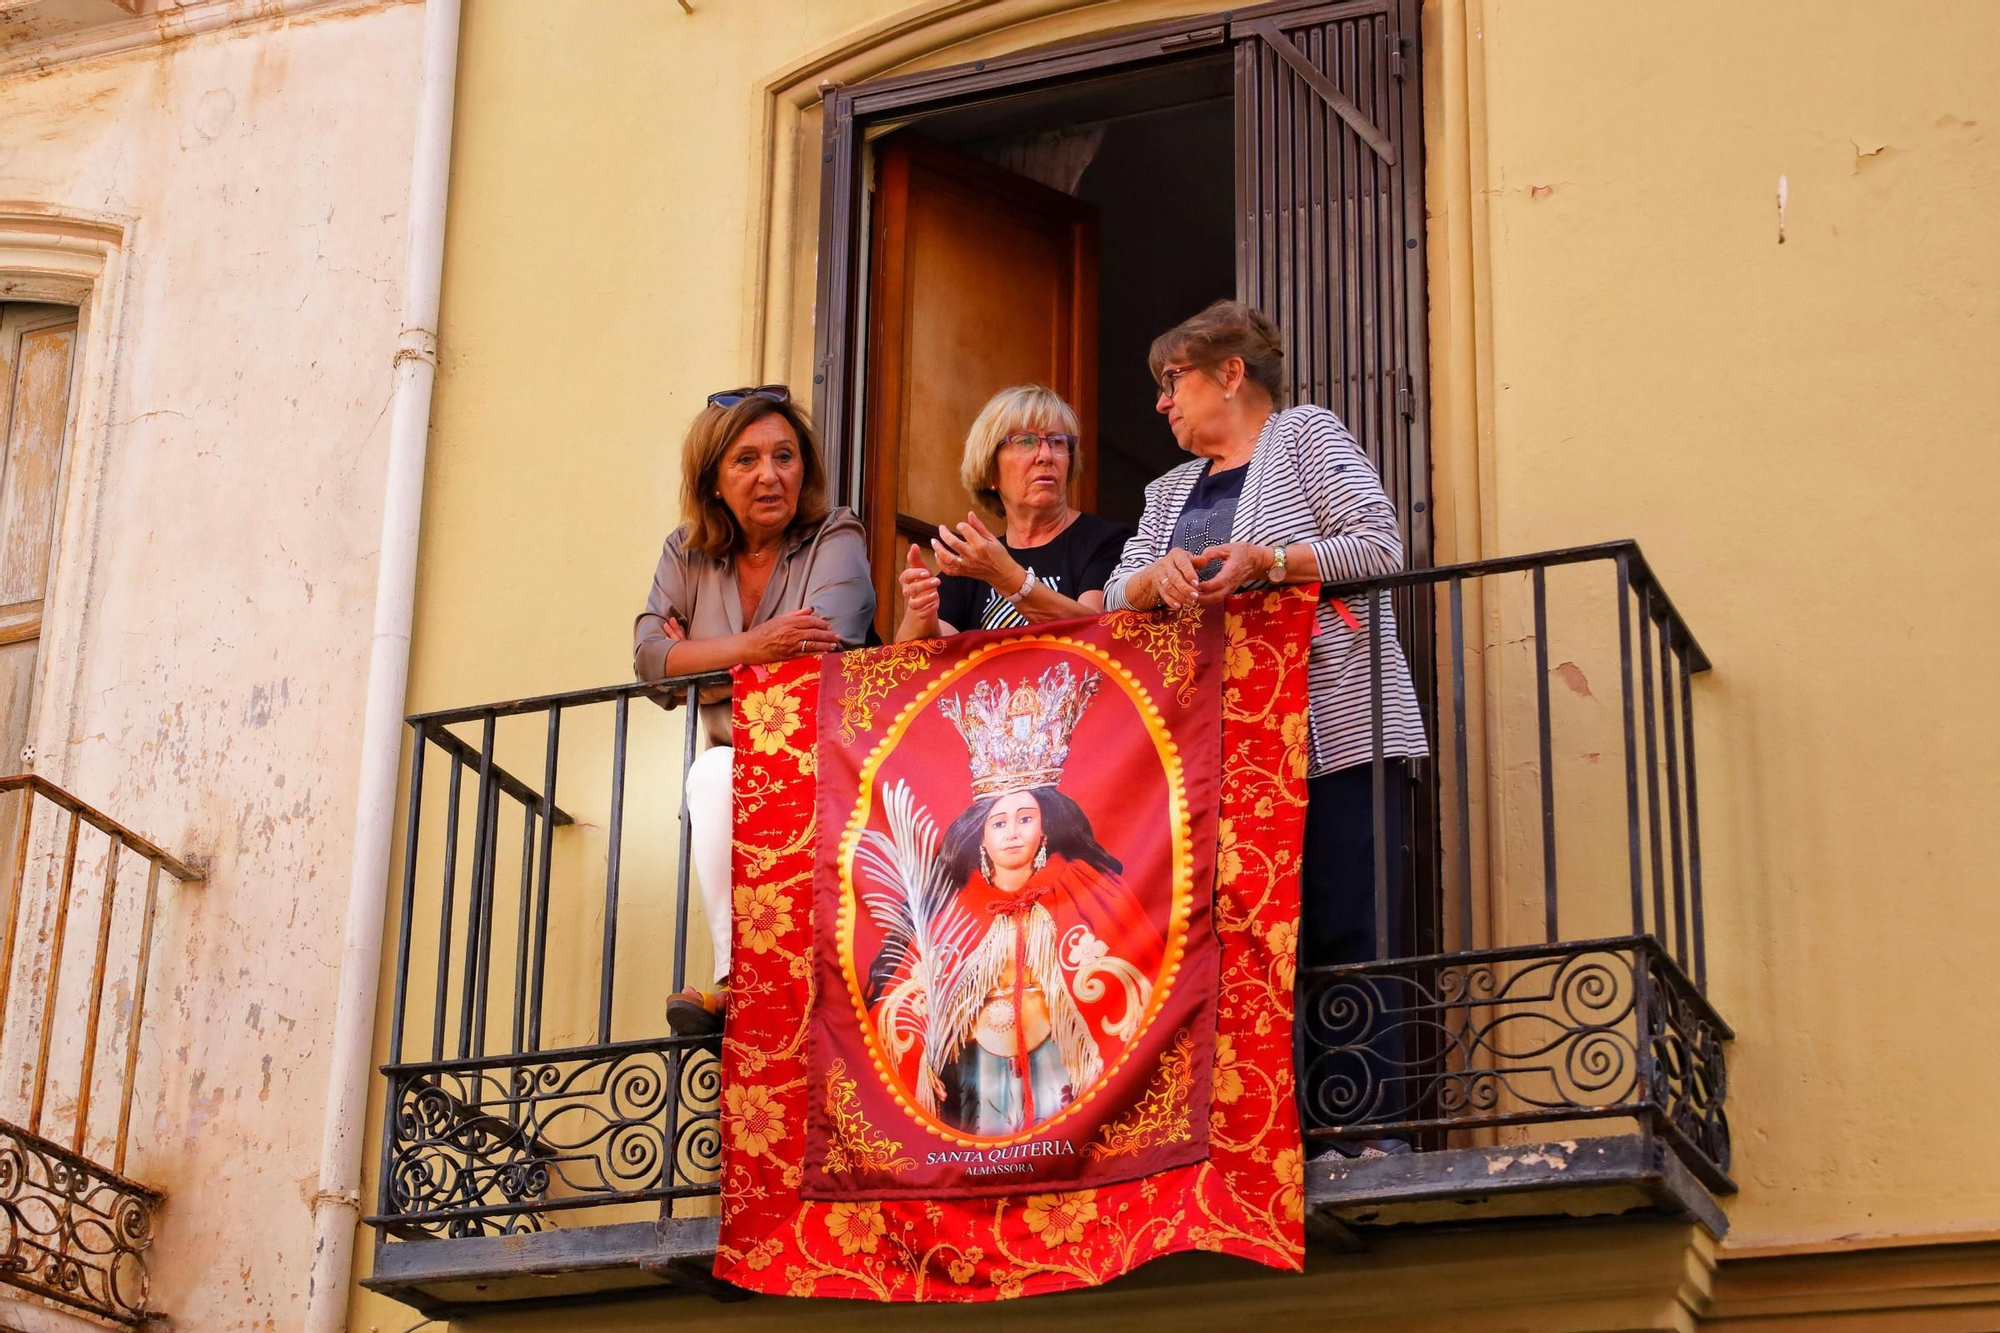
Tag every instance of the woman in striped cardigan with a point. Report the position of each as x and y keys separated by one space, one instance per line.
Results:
x=1288 y=497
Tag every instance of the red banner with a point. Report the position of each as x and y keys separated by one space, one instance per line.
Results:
x=1020 y=1019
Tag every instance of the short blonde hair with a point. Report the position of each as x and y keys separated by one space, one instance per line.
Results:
x=1023 y=407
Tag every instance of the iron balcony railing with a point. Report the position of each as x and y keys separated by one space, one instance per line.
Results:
x=78 y=1229
x=1558 y=978
x=1550 y=966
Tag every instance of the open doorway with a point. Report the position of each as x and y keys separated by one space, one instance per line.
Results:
x=1153 y=156
x=1161 y=183
x=1044 y=238
x=1273 y=153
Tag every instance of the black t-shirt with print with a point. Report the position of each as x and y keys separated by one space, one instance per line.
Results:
x=1210 y=513
x=1075 y=561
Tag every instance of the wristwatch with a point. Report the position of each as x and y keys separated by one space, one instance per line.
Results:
x=1028 y=585
x=1276 y=573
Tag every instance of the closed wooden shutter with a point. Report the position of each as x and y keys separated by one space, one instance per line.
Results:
x=37 y=351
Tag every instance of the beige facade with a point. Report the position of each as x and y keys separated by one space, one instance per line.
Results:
x=219 y=190
x=1714 y=277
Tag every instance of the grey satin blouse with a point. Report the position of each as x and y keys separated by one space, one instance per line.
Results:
x=825 y=570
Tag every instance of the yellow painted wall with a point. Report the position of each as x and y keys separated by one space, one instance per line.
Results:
x=1797 y=433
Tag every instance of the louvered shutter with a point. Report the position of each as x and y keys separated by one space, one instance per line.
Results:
x=1330 y=244
x=1329 y=189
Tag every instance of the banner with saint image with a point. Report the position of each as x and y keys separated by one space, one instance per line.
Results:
x=1016 y=959
x=820 y=1194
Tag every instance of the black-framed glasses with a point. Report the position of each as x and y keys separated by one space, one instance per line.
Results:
x=777 y=393
x=1061 y=443
x=1170 y=379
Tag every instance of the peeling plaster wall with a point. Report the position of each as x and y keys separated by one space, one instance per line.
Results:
x=213 y=672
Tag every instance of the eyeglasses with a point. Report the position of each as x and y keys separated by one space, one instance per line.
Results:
x=777 y=393
x=1060 y=443
x=1170 y=380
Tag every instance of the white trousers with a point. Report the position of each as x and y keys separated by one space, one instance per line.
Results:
x=707 y=795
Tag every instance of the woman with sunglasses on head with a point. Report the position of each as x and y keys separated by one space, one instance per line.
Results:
x=761 y=571
x=1048 y=562
x=1286 y=496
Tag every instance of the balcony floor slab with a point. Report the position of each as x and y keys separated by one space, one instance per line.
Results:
x=1606 y=1177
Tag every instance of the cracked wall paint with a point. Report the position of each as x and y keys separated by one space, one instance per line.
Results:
x=214 y=684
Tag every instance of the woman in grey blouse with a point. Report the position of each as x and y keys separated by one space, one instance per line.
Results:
x=1287 y=497
x=761 y=571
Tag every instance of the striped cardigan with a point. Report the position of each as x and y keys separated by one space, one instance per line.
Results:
x=1309 y=484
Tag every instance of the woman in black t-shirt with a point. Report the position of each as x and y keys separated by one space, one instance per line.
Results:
x=1048 y=562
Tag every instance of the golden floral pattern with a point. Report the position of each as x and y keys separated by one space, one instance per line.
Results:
x=755 y=1120
x=1228 y=856
x=1237 y=659
x=1296 y=730
x=1290 y=1169
x=1228 y=1076
x=858 y=1228
x=1059 y=1219
x=762 y=916
x=770 y=717
x=871 y=673
x=1162 y=1114
x=1247 y=1199
x=1167 y=638
x=854 y=1144
x=1284 y=941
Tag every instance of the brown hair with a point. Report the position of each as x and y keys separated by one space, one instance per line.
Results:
x=1225 y=329
x=711 y=529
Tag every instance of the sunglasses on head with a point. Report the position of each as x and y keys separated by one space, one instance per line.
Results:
x=777 y=393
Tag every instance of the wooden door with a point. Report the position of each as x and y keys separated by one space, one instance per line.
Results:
x=37 y=351
x=980 y=279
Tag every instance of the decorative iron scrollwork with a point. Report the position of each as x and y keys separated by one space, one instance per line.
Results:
x=71 y=1230
x=488 y=1147
x=1401 y=1048
x=1689 y=1077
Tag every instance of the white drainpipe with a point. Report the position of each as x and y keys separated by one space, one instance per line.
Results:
x=337 y=1206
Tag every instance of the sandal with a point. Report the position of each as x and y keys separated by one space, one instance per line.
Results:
x=696 y=1013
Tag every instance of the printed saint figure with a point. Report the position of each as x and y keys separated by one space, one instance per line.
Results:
x=1039 y=961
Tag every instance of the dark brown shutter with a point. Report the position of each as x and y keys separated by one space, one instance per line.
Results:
x=1330 y=219
x=1330 y=244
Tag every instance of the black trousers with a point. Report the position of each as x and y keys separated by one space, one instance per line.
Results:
x=1350 y=1042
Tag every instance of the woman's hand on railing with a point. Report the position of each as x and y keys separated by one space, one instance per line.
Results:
x=1171 y=581
x=798 y=633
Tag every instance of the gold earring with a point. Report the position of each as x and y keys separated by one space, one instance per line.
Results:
x=1042 y=857
x=986 y=865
